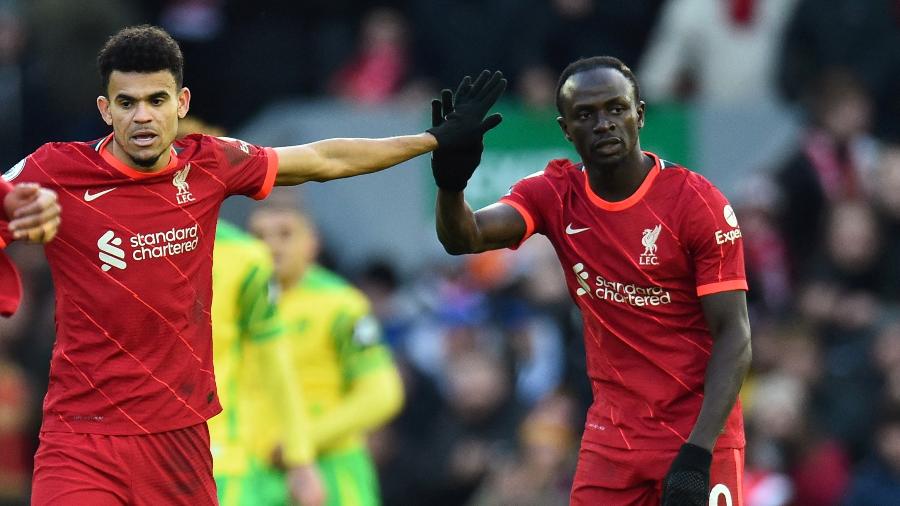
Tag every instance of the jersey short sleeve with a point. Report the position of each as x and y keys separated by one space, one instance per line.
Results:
x=714 y=240
x=528 y=197
x=247 y=169
x=257 y=315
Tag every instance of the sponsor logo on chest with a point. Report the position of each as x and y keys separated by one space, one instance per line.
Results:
x=174 y=241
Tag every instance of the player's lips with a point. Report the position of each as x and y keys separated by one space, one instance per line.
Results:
x=606 y=145
x=143 y=138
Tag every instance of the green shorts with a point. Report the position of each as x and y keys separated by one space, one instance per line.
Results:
x=349 y=478
x=260 y=486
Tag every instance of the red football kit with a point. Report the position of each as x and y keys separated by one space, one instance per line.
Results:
x=10 y=286
x=132 y=267
x=637 y=269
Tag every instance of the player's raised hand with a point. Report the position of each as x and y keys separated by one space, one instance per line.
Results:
x=466 y=123
x=452 y=166
x=687 y=482
x=34 y=213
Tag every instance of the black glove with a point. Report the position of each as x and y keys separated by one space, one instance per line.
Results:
x=453 y=164
x=466 y=123
x=687 y=482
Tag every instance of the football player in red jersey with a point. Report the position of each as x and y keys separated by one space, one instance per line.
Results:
x=653 y=259
x=131 y=377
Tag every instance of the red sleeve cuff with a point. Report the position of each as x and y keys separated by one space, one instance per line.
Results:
x=529 y=221
x=271 y=171
x=722 y=286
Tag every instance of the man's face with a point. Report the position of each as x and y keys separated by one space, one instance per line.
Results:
x=143 y=108
x=290 y=238
x=600 y=116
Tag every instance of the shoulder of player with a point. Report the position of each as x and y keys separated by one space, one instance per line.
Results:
x=49 y=152
x=324 y=281
x=229 y=236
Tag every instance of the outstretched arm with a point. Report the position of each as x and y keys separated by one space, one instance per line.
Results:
x=339 y=158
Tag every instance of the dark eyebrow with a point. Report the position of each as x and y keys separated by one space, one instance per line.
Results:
x=158 y=94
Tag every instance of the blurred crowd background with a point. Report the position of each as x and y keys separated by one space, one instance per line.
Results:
x=490 y=346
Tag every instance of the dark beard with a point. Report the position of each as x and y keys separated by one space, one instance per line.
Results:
x=146 y=162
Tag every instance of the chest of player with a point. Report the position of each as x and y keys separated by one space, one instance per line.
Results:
x=632 y=256
x=119 y=222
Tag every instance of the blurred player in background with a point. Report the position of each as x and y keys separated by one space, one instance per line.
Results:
x=131 y=379
x=653 y=258
x=246 y=328
x=348 y=377
x=253 y=362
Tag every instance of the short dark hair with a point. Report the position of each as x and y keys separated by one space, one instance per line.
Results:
x=585 y=64
x=143 y=48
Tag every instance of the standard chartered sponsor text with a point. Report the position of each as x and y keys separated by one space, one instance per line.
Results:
x=159 y=244
x=630 y=294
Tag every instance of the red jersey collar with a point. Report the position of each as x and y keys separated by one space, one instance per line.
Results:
x=129 y=171
x=632 y=199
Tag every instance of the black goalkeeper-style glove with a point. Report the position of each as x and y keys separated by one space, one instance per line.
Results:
x=687 y=482
x=460 y=127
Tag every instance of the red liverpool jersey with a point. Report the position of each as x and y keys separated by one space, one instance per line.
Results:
x=636 y=269
x=132 y=268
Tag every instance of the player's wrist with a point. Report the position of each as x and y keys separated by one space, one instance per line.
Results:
x=691 y=456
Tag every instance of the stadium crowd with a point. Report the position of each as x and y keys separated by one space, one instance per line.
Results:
x=490 y=351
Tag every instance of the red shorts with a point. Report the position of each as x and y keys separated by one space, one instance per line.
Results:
x=171 y=468
x=608 y=475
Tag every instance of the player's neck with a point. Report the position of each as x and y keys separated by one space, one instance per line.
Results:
x=618 y=182
x=288 y=280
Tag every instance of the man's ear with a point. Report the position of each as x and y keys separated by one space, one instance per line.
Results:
x=103 y=107
x=641 y=108
x=184 y=102
x=564 y=127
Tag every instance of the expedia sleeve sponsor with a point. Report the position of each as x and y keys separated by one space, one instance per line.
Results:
x=174 y=241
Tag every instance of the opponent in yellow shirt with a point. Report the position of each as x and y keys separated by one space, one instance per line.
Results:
x=348 y=378
x=251 y=364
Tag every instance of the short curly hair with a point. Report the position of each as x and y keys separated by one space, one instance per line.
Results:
x=143 y=48
x=585 y=64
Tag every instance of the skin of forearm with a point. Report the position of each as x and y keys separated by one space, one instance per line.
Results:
x=728 y=365
x=339 y=158
x=455 y=222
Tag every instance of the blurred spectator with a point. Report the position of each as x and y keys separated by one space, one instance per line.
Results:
x=584 y=28
x=862 y=36
x=765 y=250
x=541 y=471
x=381 y=63
x=887 y=202
x=12 y=42
x=832 y=164
x=877 y=481
x=61 y=82
x=454 y=38
x=719 y=51
x=475 y=429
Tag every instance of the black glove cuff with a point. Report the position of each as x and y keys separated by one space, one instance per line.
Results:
x=691 y=456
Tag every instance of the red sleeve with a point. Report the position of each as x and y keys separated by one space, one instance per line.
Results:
x=5 y=236
x=525 y=197
x=713 y=239
x=245 y=168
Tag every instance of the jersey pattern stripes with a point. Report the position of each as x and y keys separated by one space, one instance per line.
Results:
x=636 y=268
x=132 y=270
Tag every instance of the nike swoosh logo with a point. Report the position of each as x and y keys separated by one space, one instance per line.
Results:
x=573 y=231
x=88 y=196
